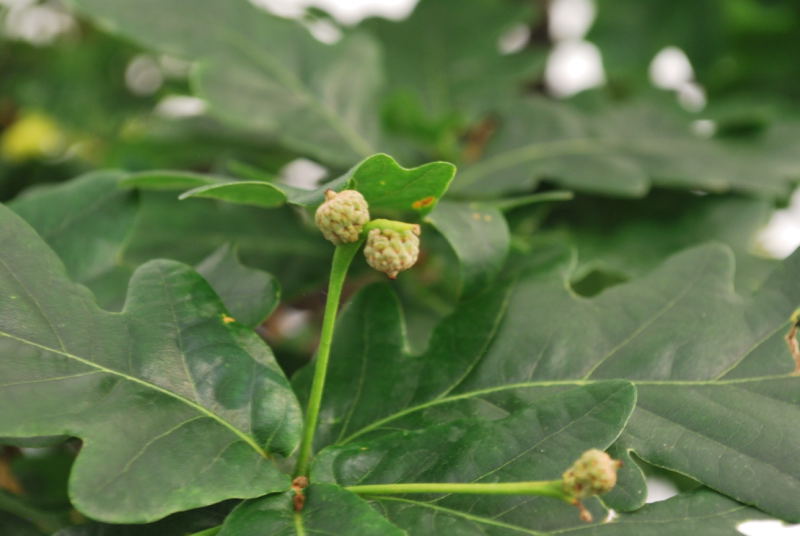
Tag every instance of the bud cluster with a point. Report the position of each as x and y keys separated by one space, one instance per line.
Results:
x=594 y=473
x=391 y=246
x=391 y=251
x=342 y=216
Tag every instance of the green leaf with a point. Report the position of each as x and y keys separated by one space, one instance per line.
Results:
x=180 y=524
x=166 y=179
x=538 y=442
x=631 y=237
x=86 y=221
x=10 y=524
x=449 y=74
x=250 y=295
x=479 y=235
x=328 y=510
x=697 y=512
x=622 y=151
x=388 y=186
x=263 y=73
x=255 y=193
x=207 y=398
x=725 y=390
x=102 y=233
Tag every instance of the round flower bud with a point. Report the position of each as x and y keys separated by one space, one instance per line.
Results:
x=342 y=216
x=391 y=251
x=594 y=473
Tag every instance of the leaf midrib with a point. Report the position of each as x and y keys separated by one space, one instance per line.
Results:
x=547 y=383
x=243 y=436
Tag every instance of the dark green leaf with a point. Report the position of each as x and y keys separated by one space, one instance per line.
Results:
x=698 y=512
x=250 y=295
x=725 y=389
x=328 y=510
x=622 y=151
x=630 y=238
x=206 y=396
x=478 y=234
x=538 y=442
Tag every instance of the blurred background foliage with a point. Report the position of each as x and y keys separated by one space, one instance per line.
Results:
x=670 y=122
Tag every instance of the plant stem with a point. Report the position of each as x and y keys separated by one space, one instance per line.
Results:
x=342 y=258
x=545 y=488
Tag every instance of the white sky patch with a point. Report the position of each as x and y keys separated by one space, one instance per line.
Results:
x=39 y=24
x=572 y=67
x=302 y=173
x=781 y=236
x=143 y=75
x=570 y=19
x=660 y=489
x=180 y=106
x=670 y=69
x=768 y=528
x=346 y=11
x=514 y=39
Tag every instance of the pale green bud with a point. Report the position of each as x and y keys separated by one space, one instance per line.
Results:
x=391 y=251
x=342 y=216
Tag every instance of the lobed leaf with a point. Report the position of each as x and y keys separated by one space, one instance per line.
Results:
x=711 y=404
x=204 y=400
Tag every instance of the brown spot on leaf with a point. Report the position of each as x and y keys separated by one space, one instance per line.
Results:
x=424 y=202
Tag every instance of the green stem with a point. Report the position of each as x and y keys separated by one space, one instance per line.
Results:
x=545 y=488
x=342 y=258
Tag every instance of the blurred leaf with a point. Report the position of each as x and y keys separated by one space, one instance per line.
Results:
x=164 y=179
x=264 y=73
x=630 y=238
x=254 y=193
x=621 y=151
x=168 y=363
x=443 y=70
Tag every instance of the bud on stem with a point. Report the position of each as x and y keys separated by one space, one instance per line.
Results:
x=342 y=216
x=392 y=246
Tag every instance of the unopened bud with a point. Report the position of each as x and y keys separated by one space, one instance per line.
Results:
x=391 y=251
x=342 y=216
x=594 y=473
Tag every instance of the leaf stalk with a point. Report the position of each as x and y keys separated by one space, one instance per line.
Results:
x=544 y=488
